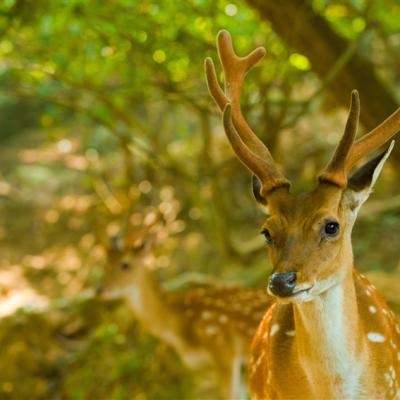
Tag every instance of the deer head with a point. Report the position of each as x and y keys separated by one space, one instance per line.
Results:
x=129 y=256
x=308 y=235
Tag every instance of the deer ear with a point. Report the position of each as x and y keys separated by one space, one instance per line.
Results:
x=361 y=183
x=116 y=243
x=256 y=184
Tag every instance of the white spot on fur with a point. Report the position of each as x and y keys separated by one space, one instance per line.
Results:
x=289 y=333
x=223 y=319
x=211 y=330
x=372 y=309
x=274 y=329
x=375 y=337
x=206 y=315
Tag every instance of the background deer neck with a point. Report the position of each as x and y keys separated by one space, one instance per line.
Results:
x=145 y=296
x=160 y=317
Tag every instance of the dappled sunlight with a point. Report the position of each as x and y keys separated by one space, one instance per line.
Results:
x=131 y=260
x=16 y=293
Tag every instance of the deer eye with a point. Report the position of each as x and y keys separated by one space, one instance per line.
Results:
x=267 y=235
x=331 y=229
x=124 y=266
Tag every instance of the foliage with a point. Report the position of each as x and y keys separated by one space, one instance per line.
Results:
x=105 y=113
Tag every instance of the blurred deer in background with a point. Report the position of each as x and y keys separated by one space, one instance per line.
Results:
x=329 y=335
x=204 y=326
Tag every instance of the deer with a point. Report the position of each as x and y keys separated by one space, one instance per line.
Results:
x=328 y=334
x=205 y=326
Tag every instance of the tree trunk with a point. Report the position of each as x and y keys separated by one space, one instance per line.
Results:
x=309 y=34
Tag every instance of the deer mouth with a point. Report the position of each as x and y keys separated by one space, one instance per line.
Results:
x=302 y=294
x=286 y=289
x=303 y=290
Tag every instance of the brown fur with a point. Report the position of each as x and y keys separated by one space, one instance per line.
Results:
x=311 y=363
x=276 y=364
x=331 y=351
x=206 y=327
x=295 y=223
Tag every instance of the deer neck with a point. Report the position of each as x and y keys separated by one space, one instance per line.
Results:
x=328 y=340
x=145 y=295
x=161 y=318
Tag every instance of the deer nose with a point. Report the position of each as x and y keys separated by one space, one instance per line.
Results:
x=283 y=283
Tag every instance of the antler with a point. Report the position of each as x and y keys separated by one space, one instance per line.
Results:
x=348 y=153
x=336 y=171
x=137 y=237
x=247 y=146
x=374 y=139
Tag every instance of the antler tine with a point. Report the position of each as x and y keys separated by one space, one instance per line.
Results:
x=248 y=147
x=374 y=139
x=235 y=69
x=336 y=171
x=213 y=86
x=265 y=169
x=139 y=235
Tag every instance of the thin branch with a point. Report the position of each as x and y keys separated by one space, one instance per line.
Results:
x=330 y=77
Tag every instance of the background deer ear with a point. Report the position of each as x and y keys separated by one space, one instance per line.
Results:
x=257 y=191
x=361 y=183
x=116 y=243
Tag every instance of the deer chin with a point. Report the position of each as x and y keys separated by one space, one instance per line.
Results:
x=301 y=294
x=321 y=286
x=113 y=294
